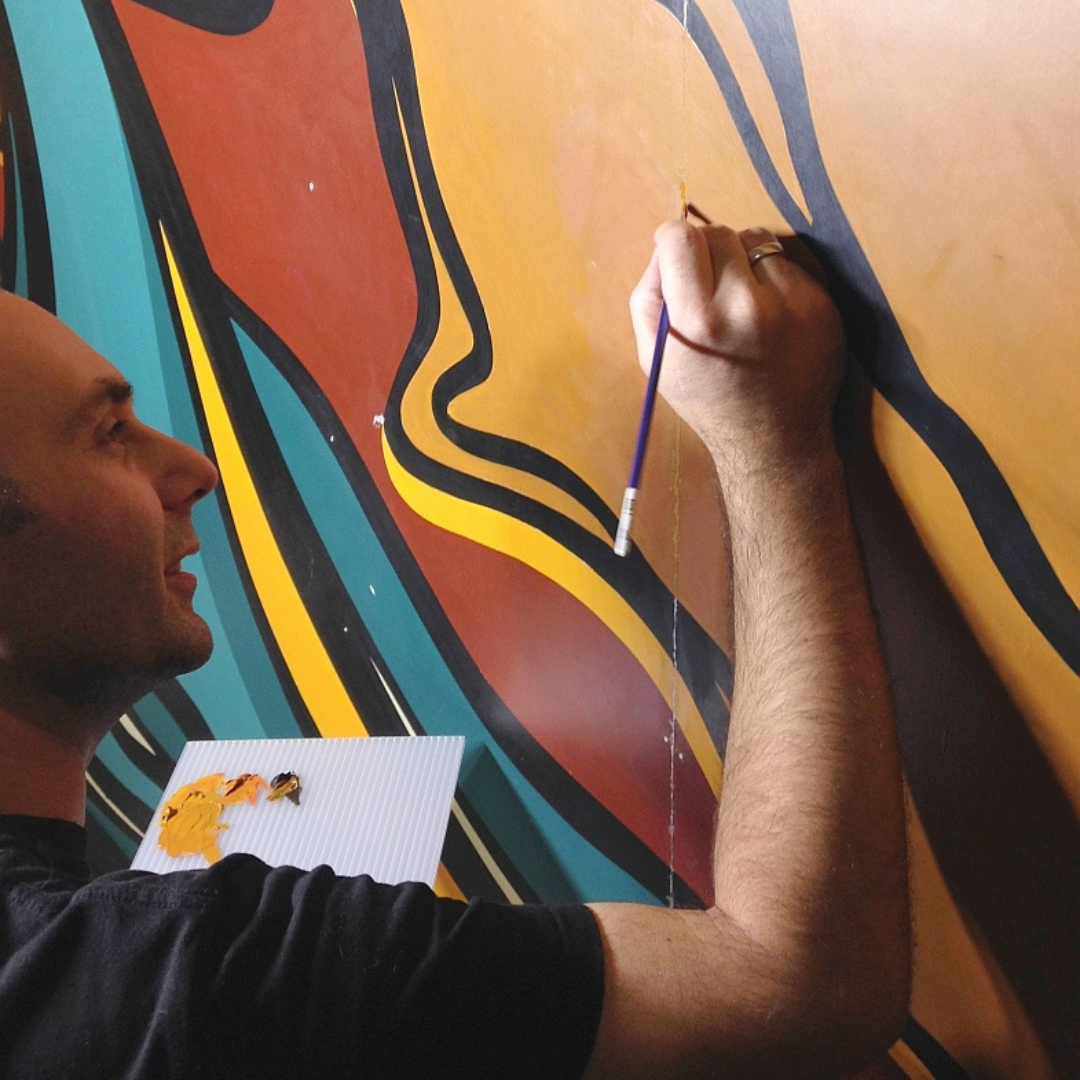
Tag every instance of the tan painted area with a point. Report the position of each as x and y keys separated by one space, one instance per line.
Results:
x=452 y=343
x=959 y=993
x=556 y=167
x=952 y=134
x=1046 y=691
x=728 y=27
x=513 y=537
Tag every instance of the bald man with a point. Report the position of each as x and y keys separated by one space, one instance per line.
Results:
x=801 y=968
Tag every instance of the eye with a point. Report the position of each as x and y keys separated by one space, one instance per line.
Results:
x=113 y=434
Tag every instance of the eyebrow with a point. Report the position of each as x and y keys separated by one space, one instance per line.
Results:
x=105 y=390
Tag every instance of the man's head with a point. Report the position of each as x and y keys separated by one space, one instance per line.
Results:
x=95 y=518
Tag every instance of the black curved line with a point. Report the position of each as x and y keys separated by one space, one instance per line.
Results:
x=41 y=285
x=125 y=801
x=469 y=870
x=703 y=664
x=154 y=177
x=9 y=248
x=702 y=35
x=572 y=802
x=185 y=713
x=876 y=338
x=155 y=764
x=229 y=17
x=938 y=1061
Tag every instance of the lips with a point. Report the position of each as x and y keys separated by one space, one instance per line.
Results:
x=177 y=577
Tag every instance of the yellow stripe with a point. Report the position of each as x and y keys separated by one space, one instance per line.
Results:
x=445 y=885
x=905 y=1057
x=311 y=668
x=522 y=542
x=538 y=550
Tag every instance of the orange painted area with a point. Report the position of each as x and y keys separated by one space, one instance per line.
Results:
x=287 y=185
x=560 y=137
x=589 y=161
x=327 y=269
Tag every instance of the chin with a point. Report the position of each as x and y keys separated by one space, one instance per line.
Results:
x=113 y=685
x=189 y=654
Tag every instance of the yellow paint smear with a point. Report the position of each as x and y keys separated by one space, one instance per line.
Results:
x=312 y=670
x=191 y=819
x=446 y=886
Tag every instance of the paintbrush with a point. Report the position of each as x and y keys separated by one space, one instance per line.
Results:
x=626 y=515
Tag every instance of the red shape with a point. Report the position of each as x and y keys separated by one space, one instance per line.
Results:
x=274 y=140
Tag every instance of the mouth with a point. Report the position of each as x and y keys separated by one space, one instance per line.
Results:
x=177 y=577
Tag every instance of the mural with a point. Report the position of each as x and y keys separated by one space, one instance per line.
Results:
x=374 y=258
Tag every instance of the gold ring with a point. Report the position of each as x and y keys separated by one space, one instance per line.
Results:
x=763 y=251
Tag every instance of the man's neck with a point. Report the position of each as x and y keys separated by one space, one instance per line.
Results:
x=41 y=774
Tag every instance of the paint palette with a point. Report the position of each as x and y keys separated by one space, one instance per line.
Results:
x=375 y=806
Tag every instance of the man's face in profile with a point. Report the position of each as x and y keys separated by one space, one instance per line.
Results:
x=94 y=604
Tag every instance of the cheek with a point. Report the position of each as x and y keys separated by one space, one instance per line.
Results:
x=84 y=560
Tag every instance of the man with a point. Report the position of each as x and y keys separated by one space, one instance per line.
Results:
x=800 y=969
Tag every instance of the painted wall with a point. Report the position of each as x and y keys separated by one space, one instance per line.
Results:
x=375 y=260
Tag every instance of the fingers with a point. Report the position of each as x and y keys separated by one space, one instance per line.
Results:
x=646 y=299
x=693 y=259
x=712 y=279
x=766 y=255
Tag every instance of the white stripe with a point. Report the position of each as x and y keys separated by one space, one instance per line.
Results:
x=113 y=807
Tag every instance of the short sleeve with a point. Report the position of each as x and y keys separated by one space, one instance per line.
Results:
x=347 y=977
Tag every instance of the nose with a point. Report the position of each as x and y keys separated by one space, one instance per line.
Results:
x=184 y=474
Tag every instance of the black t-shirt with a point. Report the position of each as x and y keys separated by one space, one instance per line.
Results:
x=242 y=970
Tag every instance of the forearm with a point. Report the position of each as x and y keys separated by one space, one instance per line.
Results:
x=801 y=968
x=812 y=868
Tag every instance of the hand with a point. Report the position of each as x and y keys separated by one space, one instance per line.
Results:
x=755 y=353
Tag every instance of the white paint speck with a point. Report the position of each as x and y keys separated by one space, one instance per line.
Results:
x=331 y=438
x=311 y=186
x=372 y=588
x=378 y=420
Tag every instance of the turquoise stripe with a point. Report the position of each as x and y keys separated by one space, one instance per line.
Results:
x=126 y=843
x=127 y=773
x=159 y=722
x=93 y=208
x=415 y=662
x=109 y=290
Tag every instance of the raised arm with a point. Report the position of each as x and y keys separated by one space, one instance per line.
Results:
x=802 y=966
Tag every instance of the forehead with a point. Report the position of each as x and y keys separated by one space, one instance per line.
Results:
x=46 y=372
